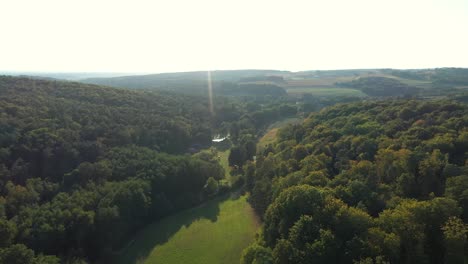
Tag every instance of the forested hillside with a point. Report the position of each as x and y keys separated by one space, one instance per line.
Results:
x=438 y=77
x=82 y=167
x=369 y=182
x=439 y=82
x=381 y=86
x=188 y=82
x=160 y=120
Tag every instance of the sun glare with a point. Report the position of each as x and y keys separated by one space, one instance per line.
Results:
x=210 y=92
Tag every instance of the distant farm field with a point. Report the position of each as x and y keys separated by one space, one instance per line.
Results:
x=416 y=83
x=325 y=91
x=318 y=82
x=213 y=233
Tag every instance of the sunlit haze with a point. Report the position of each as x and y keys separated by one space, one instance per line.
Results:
x=175 y=35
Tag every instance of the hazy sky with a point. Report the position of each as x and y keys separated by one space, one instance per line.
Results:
x=175 y=35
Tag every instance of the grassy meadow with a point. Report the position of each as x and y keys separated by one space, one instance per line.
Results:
x=267 y=139
x=215 y=232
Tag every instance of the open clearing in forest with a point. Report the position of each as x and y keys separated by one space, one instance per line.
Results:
x=267 y=139
x=270 y=136
x=230 y=178
x=215 y=232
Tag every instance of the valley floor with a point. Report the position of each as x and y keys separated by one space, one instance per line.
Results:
x=215 y=232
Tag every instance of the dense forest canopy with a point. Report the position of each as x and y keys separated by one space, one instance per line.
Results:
x=82 y=167
x=148 y=119
x=369 y=182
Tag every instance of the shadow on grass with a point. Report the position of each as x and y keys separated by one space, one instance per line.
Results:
x=158 y=233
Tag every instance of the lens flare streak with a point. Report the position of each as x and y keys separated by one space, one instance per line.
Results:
x=210 y=93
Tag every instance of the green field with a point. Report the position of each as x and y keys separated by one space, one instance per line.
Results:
x=224 y=162
x=325 y=91
x=418 y=83
x=213 y=233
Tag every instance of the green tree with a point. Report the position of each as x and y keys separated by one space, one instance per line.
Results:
x=236 y=156
x=285 y=253
x=17 y=254
x=211 y=186
x=260 y=196
x=457 y=189
x=455 y=238
x=287 y=208
x=8 y=232
x=249 y=172
x=256 y=254
x=430 y=174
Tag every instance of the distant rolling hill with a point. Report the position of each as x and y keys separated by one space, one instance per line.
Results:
x=196 y=78
x=71 y=76
x=371 y=82
x=381 y=86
